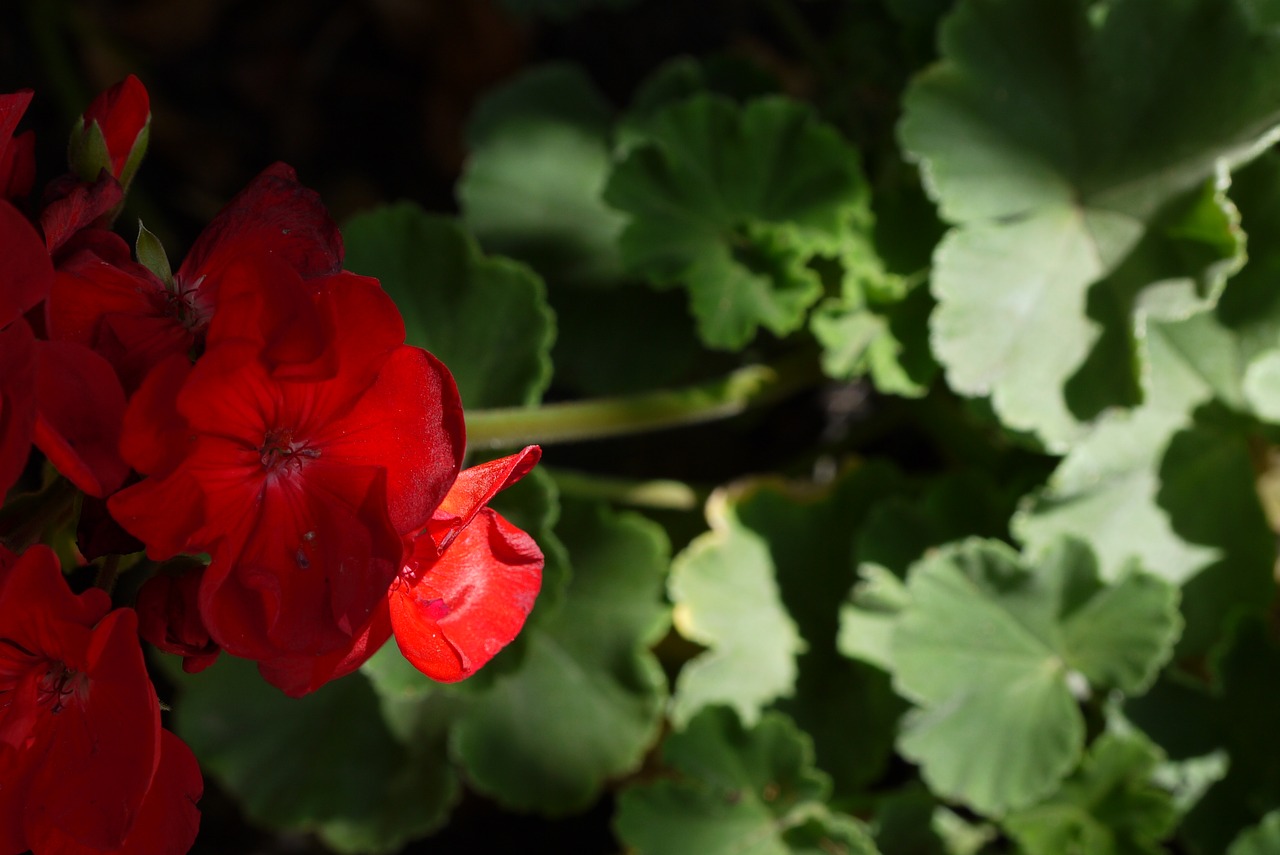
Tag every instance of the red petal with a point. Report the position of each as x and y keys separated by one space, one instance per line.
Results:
x=300 y=675
x=77 y=206
x=28 y=272
x=274 y=215
x=320 y=557
x=17 y=401
x=471 y=602
x=262 y=300
x=18 y=167
x=410 y=423
x=473 y=490
x=79 y=413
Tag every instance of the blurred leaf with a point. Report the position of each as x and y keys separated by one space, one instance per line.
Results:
x=1109 y=806
x=325 y=763
x=586 y=700
x=747 y=792
x=1262 y=839
x=992 y=649
x=531 y=189
x=486 y=318
x=733 y=203
x=1067 y=142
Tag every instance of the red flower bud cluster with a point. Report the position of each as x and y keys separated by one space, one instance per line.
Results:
x=256 y=408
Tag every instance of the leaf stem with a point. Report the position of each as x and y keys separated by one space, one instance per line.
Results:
x=658 y=494
x=596 y=418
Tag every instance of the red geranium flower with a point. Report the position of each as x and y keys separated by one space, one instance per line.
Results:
x=84 y=764
x=301 y=488
x=168 y=607
x=121 y=118
x=17 y=153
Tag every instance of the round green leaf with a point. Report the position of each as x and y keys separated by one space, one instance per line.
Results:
x=732 y=203
x=486 y=318
x=993 y=650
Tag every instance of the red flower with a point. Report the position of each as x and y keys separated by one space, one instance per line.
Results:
x=84 y=764
x=301 y=488
x=462 y=595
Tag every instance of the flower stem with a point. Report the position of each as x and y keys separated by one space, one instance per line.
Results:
x=596 y=418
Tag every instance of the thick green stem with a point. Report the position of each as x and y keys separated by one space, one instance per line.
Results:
x=573 y=421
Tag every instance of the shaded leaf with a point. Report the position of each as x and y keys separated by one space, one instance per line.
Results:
x=740 y=791
x=531 y=189
x=325 y=763
x=486 y=318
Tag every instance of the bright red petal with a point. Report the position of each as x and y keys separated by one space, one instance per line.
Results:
x=410 y=423
x=471 y=602
x=300 y=675
x=473 y=490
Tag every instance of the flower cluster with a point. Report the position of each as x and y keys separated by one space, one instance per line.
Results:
x=252 y=420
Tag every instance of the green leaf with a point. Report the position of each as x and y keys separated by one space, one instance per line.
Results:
x=1071 y=145
x=746 y=792
x=151 y=255
x=733 y=203
x=1109 y=806
x=1262 y=839
x=531 y=188
x=1170 y=483
x=725 y=594
x=486 y=318
x=993 y=649
x=325 y=763
x=586 y=700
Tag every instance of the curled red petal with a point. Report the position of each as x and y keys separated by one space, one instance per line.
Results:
x=169 y=615
x=454 y=615
x=475 y=487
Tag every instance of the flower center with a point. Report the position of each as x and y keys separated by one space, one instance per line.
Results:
x=59 y=686
x=280 y=450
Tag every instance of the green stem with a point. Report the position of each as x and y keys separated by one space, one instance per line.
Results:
x=573 y=421
x=657 y=494
x=108 y=570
